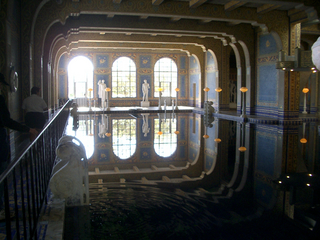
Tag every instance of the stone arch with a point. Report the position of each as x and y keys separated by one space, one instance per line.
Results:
x=239 y=75
x=248 y=76
x=212 y=77
x=195 y=90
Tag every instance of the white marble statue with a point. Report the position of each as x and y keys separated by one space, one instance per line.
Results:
x=69 y=179
x=102 y=92
x=145 y=90
x=145 y=124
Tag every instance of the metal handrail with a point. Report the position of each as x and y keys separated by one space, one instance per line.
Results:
x=27 y=178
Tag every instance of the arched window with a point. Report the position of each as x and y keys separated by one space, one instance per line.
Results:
x=80 y=77
x=165 y=139
x=124 y=78
x=124 y=137
x=165 y=76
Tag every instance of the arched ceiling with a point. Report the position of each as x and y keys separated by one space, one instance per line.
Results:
x=121 y=24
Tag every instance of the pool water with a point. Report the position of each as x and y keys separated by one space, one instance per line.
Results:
x=220 y=179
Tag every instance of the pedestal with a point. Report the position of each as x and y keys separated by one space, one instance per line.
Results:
x=145 y=104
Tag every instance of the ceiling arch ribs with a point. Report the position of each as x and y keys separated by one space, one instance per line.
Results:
x=193 y=9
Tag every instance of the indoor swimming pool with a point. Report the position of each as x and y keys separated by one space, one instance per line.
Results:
x=185 y=175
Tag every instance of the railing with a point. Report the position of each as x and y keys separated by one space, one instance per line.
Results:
x=26 y=179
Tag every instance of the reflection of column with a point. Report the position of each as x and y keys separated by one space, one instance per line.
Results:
x=305 y=91
x=107 y=124
x=243 y=90
x=242 y=148
x=177 y=125
x=159 y=133
x=303 y=139
x=160 y=90
x=218 y=90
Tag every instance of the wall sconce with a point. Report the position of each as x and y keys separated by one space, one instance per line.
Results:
x=242 y=149
x=108 y=134
x=217 y=140
x=205 y=136
x=177 y=91
x=218 y=90
x=303 y=140
x=243 y=90
x=107 y=99
x=305 y=91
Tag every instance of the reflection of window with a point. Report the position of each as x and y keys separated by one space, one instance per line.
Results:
x=85 y=132
x=80 y=77
x=124 y=78
x=166 y=143
x=124 y=137
x=165 y=74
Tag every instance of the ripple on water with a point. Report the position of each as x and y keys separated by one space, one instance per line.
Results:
x=137 y=212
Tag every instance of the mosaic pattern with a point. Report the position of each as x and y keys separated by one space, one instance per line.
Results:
x=102 y=61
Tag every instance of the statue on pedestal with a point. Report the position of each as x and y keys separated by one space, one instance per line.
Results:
x=102 y=92
x=145 y=91
x=70 y=179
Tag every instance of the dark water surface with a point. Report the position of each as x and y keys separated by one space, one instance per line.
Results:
x=269 y=191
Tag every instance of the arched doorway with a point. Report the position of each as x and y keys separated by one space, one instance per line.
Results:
x=80 y=79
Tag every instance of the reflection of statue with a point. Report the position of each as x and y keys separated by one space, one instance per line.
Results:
x=74 y=114
x=102 y=128
x=145 y=124
x=145 y=89
x=102 y=92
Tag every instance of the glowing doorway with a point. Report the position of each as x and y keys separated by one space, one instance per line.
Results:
x=80 y=77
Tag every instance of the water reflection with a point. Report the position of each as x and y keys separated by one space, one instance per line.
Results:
x=83 y=129
x=243 y=181
x=165 y=135
x=124 y=137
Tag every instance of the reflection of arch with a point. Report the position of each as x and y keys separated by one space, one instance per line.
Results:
x=124 y=137
x=211 y=146
x=166 y=143
x=85 y=133
x=80 y=77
